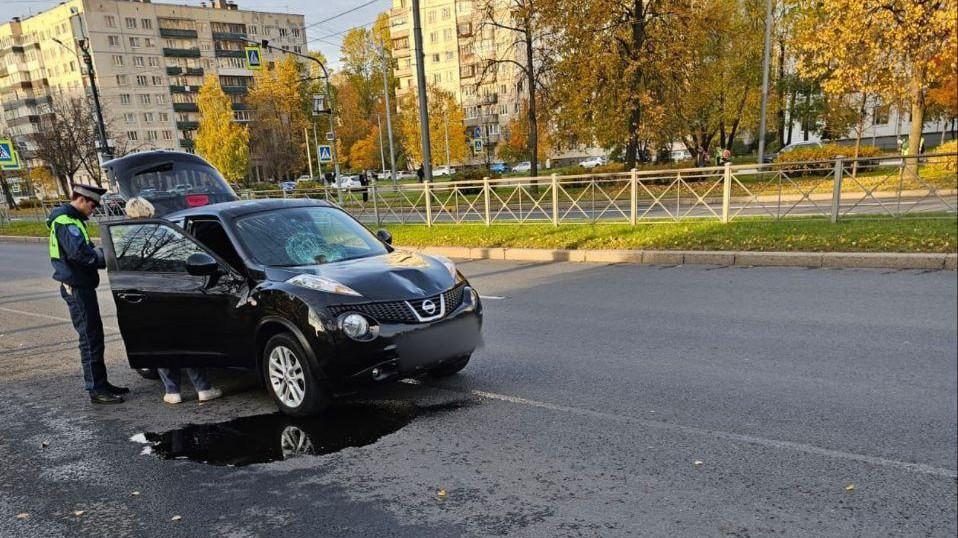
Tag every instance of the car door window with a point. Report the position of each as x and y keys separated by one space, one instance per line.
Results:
x=151 y=247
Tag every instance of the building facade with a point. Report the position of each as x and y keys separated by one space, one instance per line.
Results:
x=150 y=60
x=457 y=45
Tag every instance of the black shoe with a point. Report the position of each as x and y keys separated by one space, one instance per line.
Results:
x=113 y=389
x=105 y=398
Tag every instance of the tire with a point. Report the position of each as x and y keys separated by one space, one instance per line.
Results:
x=148 y=373
x=451 y=367
x=290 y=378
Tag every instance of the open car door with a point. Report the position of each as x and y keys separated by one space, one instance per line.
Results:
x=168 y=317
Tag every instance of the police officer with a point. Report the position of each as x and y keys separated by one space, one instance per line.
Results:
x=75 y=264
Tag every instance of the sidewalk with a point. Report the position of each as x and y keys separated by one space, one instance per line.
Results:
x=847 y=260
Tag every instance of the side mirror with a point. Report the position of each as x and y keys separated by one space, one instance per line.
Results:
x=201 y=264
x=385 y=236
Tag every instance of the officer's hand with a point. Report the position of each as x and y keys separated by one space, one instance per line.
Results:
x=100 y=259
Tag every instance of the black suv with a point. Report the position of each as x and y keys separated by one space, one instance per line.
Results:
x=296 y=289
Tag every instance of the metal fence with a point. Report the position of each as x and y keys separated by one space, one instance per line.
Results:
x=912 y=187
x=923 y=186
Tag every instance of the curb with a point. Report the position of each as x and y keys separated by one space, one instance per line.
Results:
x=843 y=260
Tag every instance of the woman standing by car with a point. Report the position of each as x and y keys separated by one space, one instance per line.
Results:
x=141 y=208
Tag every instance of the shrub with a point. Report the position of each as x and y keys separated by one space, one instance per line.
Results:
x=826 y=152
x=264 y=186
x=309 y=186
x=945 y=164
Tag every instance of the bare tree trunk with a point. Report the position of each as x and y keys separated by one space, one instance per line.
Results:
x=808 y=106
x=917 y=125
x=859 y=131
x=635 y=106
x=533 y=119
x=781 y=93
x=11 y=203
x=791 y=116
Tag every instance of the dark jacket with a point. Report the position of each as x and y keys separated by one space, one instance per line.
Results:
x=79 y=260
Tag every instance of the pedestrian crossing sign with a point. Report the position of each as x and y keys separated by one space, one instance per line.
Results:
x=8 y=155
x=325 y=154
x=254 y=58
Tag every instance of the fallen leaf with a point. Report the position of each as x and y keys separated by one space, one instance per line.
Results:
x=441 y=493
x=23 y=515
x=850 y=487
x=78 y=513
x=176 y=518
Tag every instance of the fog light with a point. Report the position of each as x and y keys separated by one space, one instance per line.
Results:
x=355 y=326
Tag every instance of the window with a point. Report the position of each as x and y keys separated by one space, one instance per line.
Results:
x=450 y=55
x=167 y=135
x=132 y=136
x=147 y=117
x=282 y=32
x=434 y=37
x=252 y=30
x=144 y=99
x=148 y=42
x=138 y=61
x=447 y=34
x=110 y=21
x=152 y=135
x=118 y=60
x=437 y=77
x=445 y=13
x=153 y=61
x=129 y=117
x=435 y=57
x=401 y=43
x=432 y=17
x=114 y=40
x=157 y=80
x=141 y=80
x=135 y=42
x=164 y=117
x=880 y=115
x=130 y=23
x=295 y=32
x=125 y=99
x=160 y=99
x=147 y=24
x=122 y=80
x=151 y=247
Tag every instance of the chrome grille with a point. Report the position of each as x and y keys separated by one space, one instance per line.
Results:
x=402 y=311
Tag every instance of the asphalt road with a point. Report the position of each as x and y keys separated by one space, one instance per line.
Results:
x=608 y=401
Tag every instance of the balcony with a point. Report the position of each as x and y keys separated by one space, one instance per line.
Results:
x=182 y=53
x=177 y=32
x=235 y=89
x=187 y=125
x=489 y=99
x=471 y=122
x=177 y=88
x=185 y=107
x=186 y=143
x=174 y=70
x=230 y=36
x=240 y=106
x=193 y=71
x=223 y=53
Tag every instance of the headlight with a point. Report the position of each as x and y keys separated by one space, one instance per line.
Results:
x=319 y=283
x=355 y=326
x=450 y=266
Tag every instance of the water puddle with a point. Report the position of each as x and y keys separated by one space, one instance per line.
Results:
x=275 y=437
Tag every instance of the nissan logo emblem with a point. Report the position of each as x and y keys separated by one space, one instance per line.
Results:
x=428 y=307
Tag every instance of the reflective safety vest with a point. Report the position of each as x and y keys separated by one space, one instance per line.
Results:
x=64 y=220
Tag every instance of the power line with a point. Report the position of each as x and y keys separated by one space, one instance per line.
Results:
x=340 y=14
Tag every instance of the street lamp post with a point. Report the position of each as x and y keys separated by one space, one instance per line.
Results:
x=104 y=150
x=421 y=85
x=389 y=119
x=765 y=61
x=382 y=157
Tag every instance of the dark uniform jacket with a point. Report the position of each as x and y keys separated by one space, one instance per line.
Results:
x=79 y=260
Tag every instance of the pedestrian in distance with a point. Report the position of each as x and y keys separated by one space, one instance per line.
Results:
x=726 y=156
x=364 y=182
x=76 y=264
x=141 y=208
x=718 y=155
x=420 y=173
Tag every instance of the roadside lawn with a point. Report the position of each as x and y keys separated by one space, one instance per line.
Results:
x=876 y=234
x=938 y=235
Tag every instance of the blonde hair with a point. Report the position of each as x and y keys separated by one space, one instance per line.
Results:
x=139 y=208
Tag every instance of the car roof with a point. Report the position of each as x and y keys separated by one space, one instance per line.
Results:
x=245 y=207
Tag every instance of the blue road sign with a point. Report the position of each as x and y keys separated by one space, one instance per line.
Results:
x=8 y=153
x=254 y=58
x=325 y=154
x=477 y=132
x=477 y=146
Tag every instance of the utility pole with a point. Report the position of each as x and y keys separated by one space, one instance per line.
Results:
x=766 y=58
x=421 y=85
x=389 y=112
x=445 y=125
x=382 y=158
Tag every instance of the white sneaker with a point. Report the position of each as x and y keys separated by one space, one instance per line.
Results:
x=173 y=398
x=207 y=395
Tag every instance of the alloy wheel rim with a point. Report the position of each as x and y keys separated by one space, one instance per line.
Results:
x=286 y=376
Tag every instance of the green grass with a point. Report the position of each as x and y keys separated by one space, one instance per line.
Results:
x=818 y=235
x=877 y=234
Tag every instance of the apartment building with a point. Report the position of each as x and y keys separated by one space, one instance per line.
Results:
x=149 y=60
x=457 y=46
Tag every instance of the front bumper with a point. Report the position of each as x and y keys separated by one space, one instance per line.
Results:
x=402 y=350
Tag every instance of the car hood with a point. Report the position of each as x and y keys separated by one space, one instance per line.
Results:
x=389 y=277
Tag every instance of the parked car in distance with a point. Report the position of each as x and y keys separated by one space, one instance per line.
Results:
x=348 y=182
x=592 y=162
x=443 y=171
x=303 y=178
x=770 y=157
x=288 y=185
x=680 y=155
x=295 y=290
x=499 y=167
x=524 y=166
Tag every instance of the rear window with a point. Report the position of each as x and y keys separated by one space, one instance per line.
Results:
x=176 y=185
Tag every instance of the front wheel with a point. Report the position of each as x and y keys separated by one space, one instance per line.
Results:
x=451 y=367
x=290 y=380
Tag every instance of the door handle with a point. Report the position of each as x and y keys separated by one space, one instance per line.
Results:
x=131 y=297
